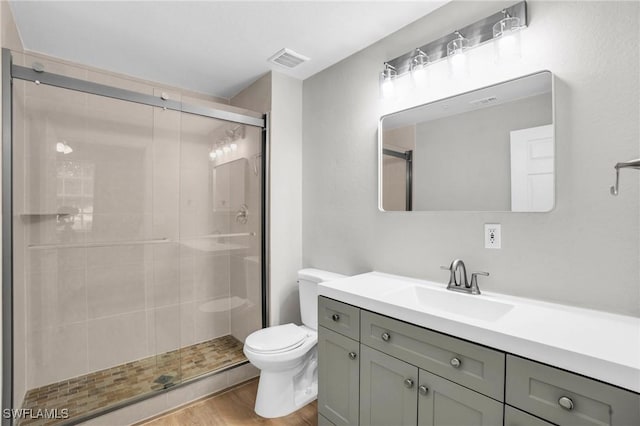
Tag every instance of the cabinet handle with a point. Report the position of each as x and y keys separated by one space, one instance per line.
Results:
x=408 y=383
x=335 y=317
x=566 y=403
x=455 y=362
x=423 y=390
x=353 y=355
x=386 y=336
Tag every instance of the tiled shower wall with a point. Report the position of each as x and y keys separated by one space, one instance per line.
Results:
x=83 y=300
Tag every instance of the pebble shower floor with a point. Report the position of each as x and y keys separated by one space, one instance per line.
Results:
x=101 y=389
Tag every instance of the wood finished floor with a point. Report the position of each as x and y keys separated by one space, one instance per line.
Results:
x=234 y=407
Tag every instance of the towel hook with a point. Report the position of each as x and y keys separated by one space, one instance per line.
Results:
x=632 y=164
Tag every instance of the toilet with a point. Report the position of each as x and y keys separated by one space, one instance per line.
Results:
x=287 y=354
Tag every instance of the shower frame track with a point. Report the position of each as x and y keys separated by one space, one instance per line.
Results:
x=11 y=71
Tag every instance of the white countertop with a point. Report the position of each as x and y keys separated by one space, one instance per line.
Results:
x=596 y=344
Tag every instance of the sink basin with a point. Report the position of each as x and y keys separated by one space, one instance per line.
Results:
x=472 y=306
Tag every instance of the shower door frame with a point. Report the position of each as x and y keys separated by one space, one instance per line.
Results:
x=11 y=71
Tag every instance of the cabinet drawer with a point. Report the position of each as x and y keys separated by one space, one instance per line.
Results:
x=339 y=317
x=514 y=417
x=470 y=365
x=542 y=390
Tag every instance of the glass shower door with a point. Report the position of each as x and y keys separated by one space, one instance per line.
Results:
x=220 y=242
x=95 y=247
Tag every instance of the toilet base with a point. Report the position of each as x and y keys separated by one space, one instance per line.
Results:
x=282 y=392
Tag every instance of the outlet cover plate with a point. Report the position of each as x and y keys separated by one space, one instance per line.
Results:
x=492 y=236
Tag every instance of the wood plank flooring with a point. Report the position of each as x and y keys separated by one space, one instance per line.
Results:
x=232 y=408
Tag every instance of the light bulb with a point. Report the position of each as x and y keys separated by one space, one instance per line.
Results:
x=219 y=152
x=212 y=154
x=507 y=36
x=60 y=147
x=456 y=55
x=458 y=65
x=234 y=146
x=388 y=89
x=67 y=149
x=419 y=69
x=387 y=83
x=226 y=149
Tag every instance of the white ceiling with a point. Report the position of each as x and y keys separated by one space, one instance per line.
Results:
x=212 y=47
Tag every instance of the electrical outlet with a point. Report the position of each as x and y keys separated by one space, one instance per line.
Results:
x=492 y=235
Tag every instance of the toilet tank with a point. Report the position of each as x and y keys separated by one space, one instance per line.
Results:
x=308 y=280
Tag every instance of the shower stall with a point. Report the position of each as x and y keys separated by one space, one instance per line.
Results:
x=133 y=236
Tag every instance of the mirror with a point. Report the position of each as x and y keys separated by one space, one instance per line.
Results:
x=490 y=149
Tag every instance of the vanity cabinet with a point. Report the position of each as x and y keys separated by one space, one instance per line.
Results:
x=376 y=370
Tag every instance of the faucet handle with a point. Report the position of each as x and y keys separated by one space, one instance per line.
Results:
x=446 y=268
x=474 y=281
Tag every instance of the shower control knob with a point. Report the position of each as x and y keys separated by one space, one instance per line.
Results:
x=353 y=355
x=455 y=362
x=408 y=383
x=335 y=317
x=423 y=390
x=386 y=336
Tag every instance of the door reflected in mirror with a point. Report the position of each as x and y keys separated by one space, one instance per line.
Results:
x=490 y=149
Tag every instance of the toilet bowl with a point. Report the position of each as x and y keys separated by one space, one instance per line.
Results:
x=287 y=354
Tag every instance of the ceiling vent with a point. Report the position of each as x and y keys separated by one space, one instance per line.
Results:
x=288 y=58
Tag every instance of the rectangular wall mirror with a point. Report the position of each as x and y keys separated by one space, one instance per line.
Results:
x=490 y=149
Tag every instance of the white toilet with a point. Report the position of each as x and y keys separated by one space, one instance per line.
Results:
x=287 y=354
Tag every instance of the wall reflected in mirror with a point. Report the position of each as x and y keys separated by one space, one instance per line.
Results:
x=490 y=149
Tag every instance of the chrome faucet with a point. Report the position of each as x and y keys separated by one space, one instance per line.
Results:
x=458 y=278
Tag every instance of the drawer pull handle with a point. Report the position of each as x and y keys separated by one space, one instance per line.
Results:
x=566 y=403
x=353 y=355
x=386 y=337
x=335 y=317
x=455 y=362
x=423 y=390
x=408 y=383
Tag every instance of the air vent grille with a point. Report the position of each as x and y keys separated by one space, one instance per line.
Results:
x=288 y=58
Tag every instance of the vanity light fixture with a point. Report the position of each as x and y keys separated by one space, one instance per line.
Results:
x=503 y=27
x=387 y=81
x=419 y=69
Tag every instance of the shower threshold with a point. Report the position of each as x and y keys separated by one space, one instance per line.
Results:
x=98 y=391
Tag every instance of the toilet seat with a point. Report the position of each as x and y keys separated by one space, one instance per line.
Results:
x=277 y=339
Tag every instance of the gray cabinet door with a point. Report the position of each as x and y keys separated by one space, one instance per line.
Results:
x=514 y=417
x=444 y=403
x=338 y=372
x=388 y=393
x=323 y=421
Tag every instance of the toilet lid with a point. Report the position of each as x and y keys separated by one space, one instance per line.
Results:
x=276 y=339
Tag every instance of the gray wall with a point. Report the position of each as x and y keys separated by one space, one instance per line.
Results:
x=463 y=162
x=281 y=95
x=585 y=252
